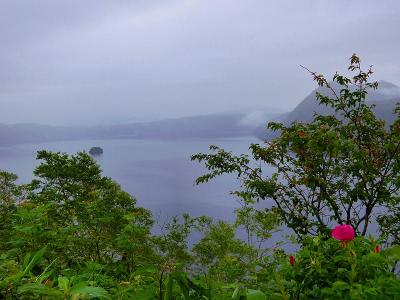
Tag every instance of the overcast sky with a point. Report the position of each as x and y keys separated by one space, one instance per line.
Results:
x=93 y=61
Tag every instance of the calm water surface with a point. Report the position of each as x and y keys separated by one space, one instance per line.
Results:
x=158 y=173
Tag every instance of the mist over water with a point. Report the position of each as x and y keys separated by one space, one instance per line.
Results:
x=159 y=173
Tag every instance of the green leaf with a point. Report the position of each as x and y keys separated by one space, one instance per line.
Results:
x=145 y=294
x=63 y=284
x=34 y=260
x=235 y=294
x=169 y=291
x=45 y=274
x=255 y=295
x=89 y=292
x=39 y=290
x=146 y=269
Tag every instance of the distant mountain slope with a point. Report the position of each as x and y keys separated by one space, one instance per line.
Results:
x=385 y=98
x=208 y=126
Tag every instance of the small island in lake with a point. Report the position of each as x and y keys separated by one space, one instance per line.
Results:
x=96 y=151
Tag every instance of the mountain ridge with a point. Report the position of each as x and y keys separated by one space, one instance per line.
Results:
x=385 y=99
x=202 y=126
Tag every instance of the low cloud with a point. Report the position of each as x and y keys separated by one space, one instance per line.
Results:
x=96 y=62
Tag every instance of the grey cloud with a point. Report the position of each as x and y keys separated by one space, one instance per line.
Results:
x=97 y=61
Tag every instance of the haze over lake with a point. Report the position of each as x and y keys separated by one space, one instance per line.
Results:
x=159 y=173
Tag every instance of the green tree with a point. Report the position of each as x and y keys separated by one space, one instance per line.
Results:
x=223 y=256
x=9 y=190
x=10 y=194
x=87 y=210
x=339 y=168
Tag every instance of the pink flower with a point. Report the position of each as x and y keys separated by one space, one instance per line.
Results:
x=292 y=260
x=343 y=233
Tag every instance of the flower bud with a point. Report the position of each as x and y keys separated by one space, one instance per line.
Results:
x=377 y=249
x=292 y=260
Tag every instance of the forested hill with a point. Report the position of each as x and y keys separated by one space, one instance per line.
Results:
x=385 y=99
x=208 y=126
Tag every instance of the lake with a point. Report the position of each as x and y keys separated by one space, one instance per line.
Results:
x=158 y=173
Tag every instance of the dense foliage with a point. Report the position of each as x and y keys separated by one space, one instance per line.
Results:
x=74 y=234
